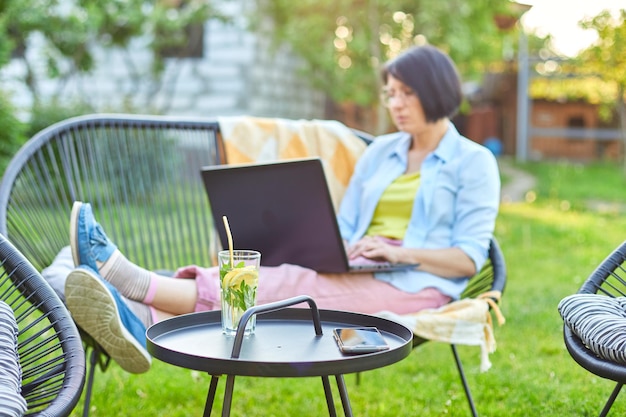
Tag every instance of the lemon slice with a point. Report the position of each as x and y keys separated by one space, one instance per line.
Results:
x=235 y=277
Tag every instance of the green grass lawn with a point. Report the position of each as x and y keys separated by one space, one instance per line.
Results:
x=551 y=244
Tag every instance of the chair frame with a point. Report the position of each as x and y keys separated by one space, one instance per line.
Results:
x=67 y=149
x=494 y=280
x=608 y=279
x=51 y=353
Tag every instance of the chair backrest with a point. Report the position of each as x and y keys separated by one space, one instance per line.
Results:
x=50 y=350
x=609 y=278
x=140 y=173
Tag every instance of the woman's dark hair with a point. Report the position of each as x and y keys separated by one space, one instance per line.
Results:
x=432 y=75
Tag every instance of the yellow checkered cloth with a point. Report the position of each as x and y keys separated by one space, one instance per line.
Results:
x=463 y=322
x=253 y=140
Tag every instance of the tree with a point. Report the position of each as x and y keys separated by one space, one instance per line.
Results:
x=344 y=43
x=606 y=58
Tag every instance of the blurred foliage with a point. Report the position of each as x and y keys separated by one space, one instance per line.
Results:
x=590 y=89
x=606 y=58
x=597 y=75
x=345 y=43
x=45 y=114
x=15 y=132
x=12 y=134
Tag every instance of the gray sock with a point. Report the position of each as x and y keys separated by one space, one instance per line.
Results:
x=131 y=280
x=142 y=311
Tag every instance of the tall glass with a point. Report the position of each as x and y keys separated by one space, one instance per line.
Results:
x=238 y=285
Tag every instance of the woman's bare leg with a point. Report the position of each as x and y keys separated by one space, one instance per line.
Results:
x=174 y=296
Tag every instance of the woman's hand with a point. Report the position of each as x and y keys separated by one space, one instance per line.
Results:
x=445 y=262
x=374 y=248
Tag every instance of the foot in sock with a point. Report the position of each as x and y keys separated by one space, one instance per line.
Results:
x=98 y=309
x=91 y=247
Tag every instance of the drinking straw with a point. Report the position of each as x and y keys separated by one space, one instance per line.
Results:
x=230 y=241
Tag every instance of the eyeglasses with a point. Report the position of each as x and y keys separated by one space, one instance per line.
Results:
x=389 y=96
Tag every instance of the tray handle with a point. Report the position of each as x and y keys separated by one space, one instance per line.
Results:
x=268 y=308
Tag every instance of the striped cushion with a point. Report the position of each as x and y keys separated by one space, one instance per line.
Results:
x=599 y=321
x=11 y=402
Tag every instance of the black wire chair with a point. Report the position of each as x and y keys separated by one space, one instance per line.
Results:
x=140 y=173
x=50 y=350
x=492 y=277
x=608 y=279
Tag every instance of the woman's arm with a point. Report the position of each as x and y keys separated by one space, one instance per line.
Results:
x=471 y=187
x=446 y=262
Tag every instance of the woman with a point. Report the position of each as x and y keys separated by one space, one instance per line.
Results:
x=422 y=195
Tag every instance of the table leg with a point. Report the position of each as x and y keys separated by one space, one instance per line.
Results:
x=230 y=384
x=228 y=395
x=330 y=403
x=208 y=407
x=343 y=393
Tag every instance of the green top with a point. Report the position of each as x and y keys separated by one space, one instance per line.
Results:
x=393 y=212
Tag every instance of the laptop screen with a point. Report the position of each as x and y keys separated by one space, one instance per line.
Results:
x=282 y=209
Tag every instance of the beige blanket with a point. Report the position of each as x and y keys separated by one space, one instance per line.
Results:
x=253 y=139
x=464 y=322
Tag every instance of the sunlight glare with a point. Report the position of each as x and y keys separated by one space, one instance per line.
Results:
x=398 y=17
x=344 y=62
x=569 y=38
x=342 y=32
x=340 y=44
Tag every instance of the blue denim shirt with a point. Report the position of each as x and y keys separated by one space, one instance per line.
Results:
x=456 y=204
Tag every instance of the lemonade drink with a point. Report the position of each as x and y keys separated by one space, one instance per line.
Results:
x=238 y=287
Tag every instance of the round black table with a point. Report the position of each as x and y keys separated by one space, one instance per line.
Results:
x=288 y=342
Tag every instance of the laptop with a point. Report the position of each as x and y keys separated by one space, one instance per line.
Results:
x=284 y=210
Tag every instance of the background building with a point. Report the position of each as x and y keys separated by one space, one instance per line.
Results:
x=234 y=72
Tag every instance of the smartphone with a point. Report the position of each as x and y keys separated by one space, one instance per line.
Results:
x=360 y=340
